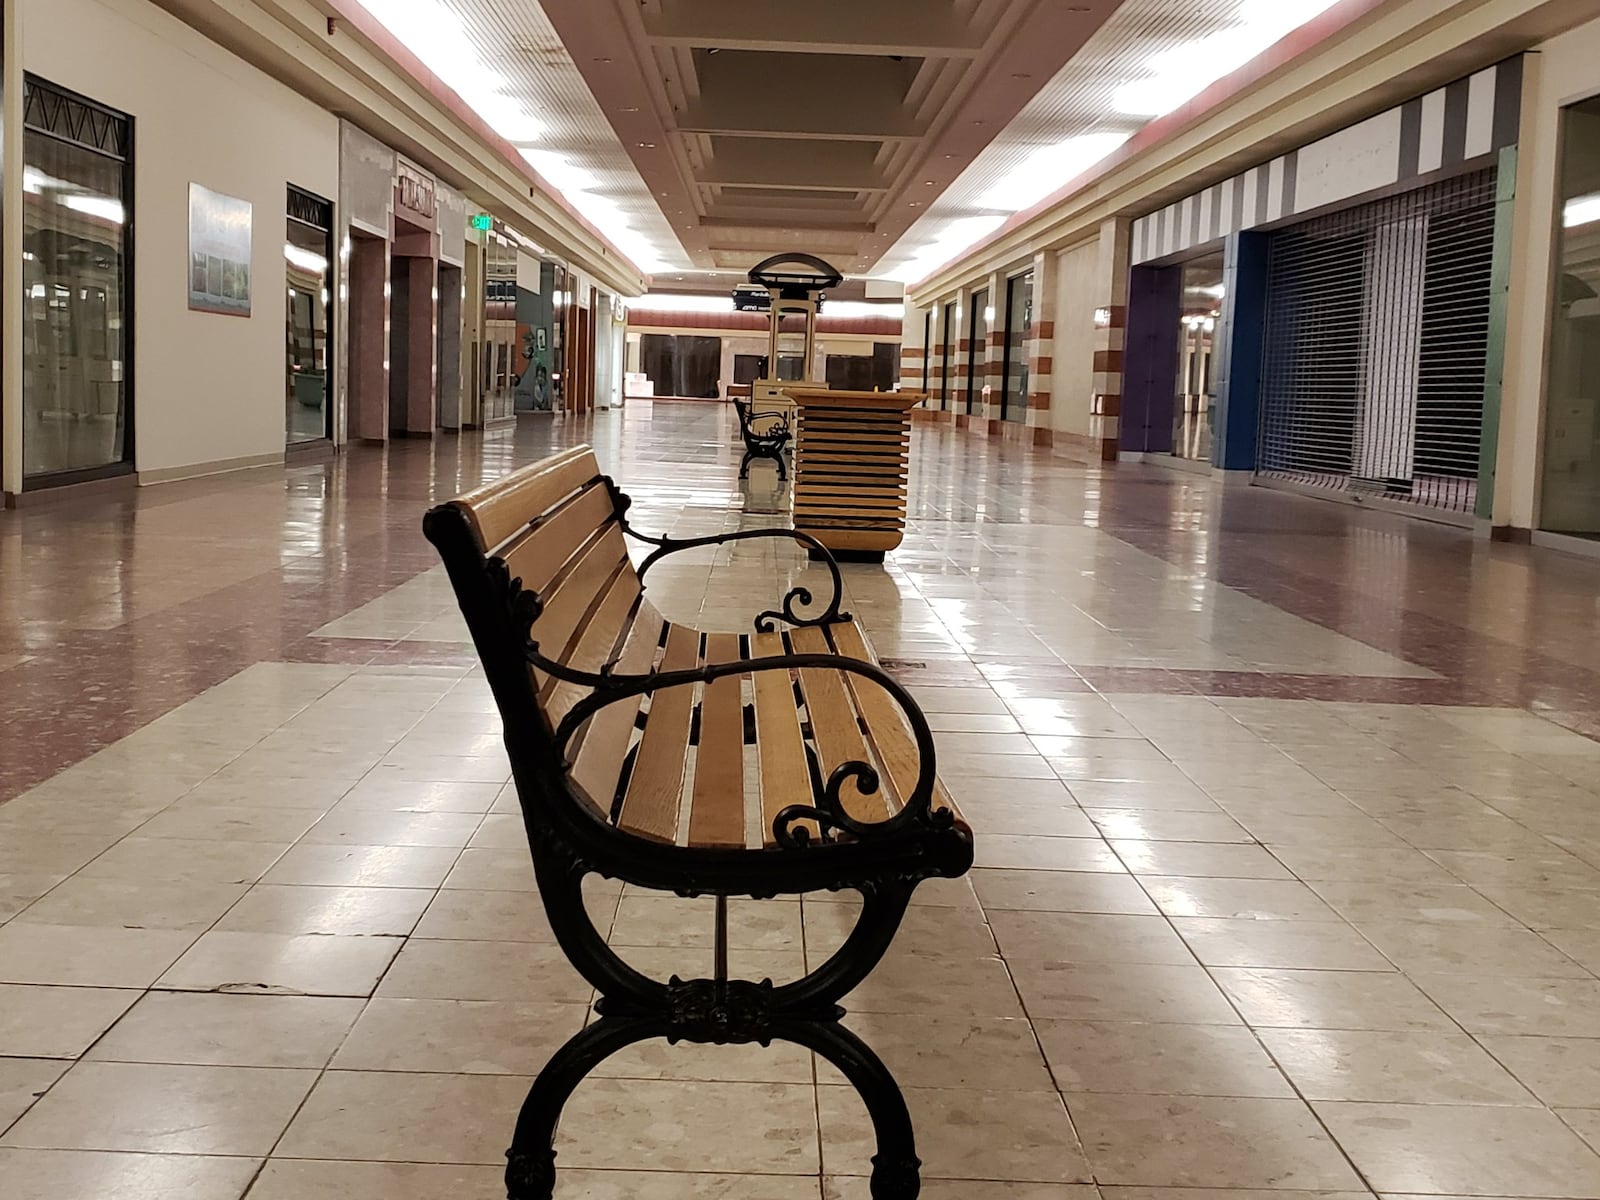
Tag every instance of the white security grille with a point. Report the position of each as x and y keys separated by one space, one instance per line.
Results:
x=1375 y=346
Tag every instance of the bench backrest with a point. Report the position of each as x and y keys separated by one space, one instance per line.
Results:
x=551 y=531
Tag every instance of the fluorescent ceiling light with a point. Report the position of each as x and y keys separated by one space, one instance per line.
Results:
x=306 y=260
x=1048 y=169
x=561 y=174
x=103 y=207
x=859 y=309
x=957 y=236
x=1178 y=74
x=1581 y=210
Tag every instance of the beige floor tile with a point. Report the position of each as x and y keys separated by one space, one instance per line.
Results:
x=296 y=1179
x=309 y=964
x=998 y=1054
x=501 y=831
x=23 y=1081
x=1362 y=864
x=87 y=956
x=1552 y=868
x=365 y=866
x=1392 y=1067
x=374 y=827
x=670 y=921
x=1454 y=1148
x=956 y=746
x=230 y=1031
x=1207 y=860
x=1297 y=945
x=1018 y=816
x=926 y=930
x=1366 y=901
x=1122 y=992
x=1161 y=825
x=465 y=914
x=1060 y=891
x=57 y=1022
x=1585 y=1122
x=463 y=970
x=293 y=908
x=1159 y=1059
x=975 y=986
x=781 y=1062
x=17 y=891
x=844 y=1187
x=186 y=860
x=129 y=904
x=678 y=1126
x=1454 y=949
x=1102 y=795
x=68 y=1174
x=1549 y=1007
x=1561 y=1071
x=1038 y=938
x=1030 y=853
x=492 y=869
x=423 y=796
x=378 y=1116
x=1239 y=899
x=1164 y=1193
x=476 y=1037
x=1580 y=945
x=970 y=722
x=230 y=823
x=1330 y=1000
x=162 y=1109
x=1549 y=908
x=958 y=700
x=979 y=1135
x=1204 y=1141
x=971 y=765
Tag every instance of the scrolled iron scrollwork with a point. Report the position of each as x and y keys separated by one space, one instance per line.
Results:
x=766 y=621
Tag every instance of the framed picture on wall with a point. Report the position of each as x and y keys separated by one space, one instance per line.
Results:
x=220 y=229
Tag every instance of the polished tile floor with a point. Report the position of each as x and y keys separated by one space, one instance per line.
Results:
x=1289 y=850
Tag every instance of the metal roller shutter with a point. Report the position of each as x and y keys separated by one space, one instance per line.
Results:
x=1375 y=346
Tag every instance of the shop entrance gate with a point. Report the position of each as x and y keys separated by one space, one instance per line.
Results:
x=1376 y=340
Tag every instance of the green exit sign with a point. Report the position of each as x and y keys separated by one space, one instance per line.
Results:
x=482 y=222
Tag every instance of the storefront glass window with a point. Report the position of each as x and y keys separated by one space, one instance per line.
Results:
x=307 y=252
x=1194 y=405
x=978 y=351
x=946 y=343
x=1019 y=324
x=76 y=411
x=1571 y=487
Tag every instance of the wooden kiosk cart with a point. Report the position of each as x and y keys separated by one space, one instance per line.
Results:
x=851 y=454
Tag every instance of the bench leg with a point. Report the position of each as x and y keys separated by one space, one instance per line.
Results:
x=531 y=1161
x=744 y=467
x=895 y=1167
x=882 y=910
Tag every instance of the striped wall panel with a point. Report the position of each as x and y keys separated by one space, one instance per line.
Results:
x=1457 y=124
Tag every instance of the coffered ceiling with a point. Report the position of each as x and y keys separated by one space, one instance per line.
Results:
x=825 y=126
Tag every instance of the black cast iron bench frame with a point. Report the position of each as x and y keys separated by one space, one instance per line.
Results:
x=770 y=442
x=815 y=848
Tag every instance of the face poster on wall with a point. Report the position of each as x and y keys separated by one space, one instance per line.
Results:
x=219 y=252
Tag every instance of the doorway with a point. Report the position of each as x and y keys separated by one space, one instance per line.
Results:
x=1195 y=399
x=308 y=254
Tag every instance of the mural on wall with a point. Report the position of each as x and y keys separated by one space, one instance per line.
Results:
x=220 y=230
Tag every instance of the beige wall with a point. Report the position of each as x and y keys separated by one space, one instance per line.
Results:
x=208 y=389
x=1562 y=72
x=1078 y=283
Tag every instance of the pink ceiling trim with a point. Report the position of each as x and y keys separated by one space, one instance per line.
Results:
x=378 y=34
x=1291 y=46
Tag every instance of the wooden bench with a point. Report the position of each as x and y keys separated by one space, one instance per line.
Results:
x=630 y=737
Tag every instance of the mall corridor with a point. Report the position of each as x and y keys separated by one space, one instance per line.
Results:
x=1287 y=816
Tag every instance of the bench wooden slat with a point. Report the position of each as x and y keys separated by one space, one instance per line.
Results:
x=539 y=556
x=602 y=746
x=717 y=815
x=655 y=790
x=596 y=645
x=834 y=726
x=892 y=738
x=500 y=508
x=567 y=605
x=785 y=775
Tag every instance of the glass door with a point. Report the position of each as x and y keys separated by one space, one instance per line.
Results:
x=978 y=352
x=308 y=267
x=1194 y=405
x=1019 y=324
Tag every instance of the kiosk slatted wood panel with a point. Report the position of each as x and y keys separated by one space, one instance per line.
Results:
x=852 y=451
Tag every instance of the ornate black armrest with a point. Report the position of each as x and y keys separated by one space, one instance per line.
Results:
x=765 y=622
x=788 y=827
